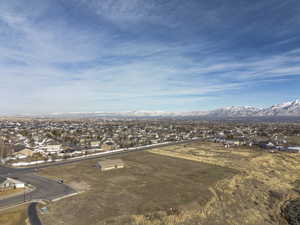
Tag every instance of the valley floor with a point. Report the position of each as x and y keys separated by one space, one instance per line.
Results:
x=199 y=183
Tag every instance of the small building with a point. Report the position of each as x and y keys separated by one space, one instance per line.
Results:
x=16 y=183
x=7 y=183
x=266 y=145
x=83 y=142
x=24 y=153
x=53 y=149
x=3 y=183
x=293 y=149
x=95 y=144
x=231 y=143
x=109 y=145
x=110 y=164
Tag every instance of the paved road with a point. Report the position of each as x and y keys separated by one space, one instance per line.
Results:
x=50 y=189
x=33 y=215
x=106 y=155
x=45 y=189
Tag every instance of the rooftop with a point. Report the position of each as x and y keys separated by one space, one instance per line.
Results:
x=110 y=162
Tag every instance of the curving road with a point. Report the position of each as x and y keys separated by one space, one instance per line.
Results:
x=45 y=189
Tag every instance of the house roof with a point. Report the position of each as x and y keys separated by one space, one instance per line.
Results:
x=111 y=162
x=15 y=181
x=25 y=151
x=109 y=143
x=53 y=145
x=2 y=179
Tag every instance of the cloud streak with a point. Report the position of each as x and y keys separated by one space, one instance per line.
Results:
x=104 y=55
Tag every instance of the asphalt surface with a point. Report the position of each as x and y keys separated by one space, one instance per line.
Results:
x=106 y=155
x=45 y=189
x=33 y=215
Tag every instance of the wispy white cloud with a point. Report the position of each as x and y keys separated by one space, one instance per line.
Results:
x=46 y=65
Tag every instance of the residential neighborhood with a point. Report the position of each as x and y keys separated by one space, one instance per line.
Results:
x=46 y=140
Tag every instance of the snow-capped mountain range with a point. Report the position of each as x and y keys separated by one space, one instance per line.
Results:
x=285 y=109
x=291 y=108
x=234 y=111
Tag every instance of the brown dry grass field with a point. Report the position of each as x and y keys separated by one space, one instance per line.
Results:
x=255 y=195
x=11 y=192
x=204 y=183
x=294 y=140
x=14 y=216
x=149 y=185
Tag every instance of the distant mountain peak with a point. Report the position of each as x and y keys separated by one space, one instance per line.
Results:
x=291 y=108
x=287 y=104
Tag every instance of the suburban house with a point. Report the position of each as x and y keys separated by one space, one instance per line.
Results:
x=3 y=183
x=53 y=149
x=95 y=144
x=10 y=183
x=294 y=149
x=108 y=145
x=230 y=143
x=110 y=164
x=24 y=153
x=266 y=144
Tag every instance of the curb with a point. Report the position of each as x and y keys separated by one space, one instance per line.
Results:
x=66 y=196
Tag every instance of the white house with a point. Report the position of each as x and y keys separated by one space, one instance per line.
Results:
x=9 y=183
x=53 y=149
x=3 y=183
x=16 y=183
x=24 y=153
x=294 y=149
x=95 y=144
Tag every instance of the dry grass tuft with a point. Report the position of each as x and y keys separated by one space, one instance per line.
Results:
x=14 y=216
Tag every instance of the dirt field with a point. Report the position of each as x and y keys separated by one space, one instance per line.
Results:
x=255 y=195
x=10 y=193
x=294 y=140
x=204 y=183
x=142 y=193
x=14 y=216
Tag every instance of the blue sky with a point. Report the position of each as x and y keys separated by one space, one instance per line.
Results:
x=121 y=55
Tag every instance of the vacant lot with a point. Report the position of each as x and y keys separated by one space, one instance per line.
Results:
x=295 y=140
x=14 y=216
x=10 y=193
x=255 y=195
x=204 y=183
x=144 y=191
